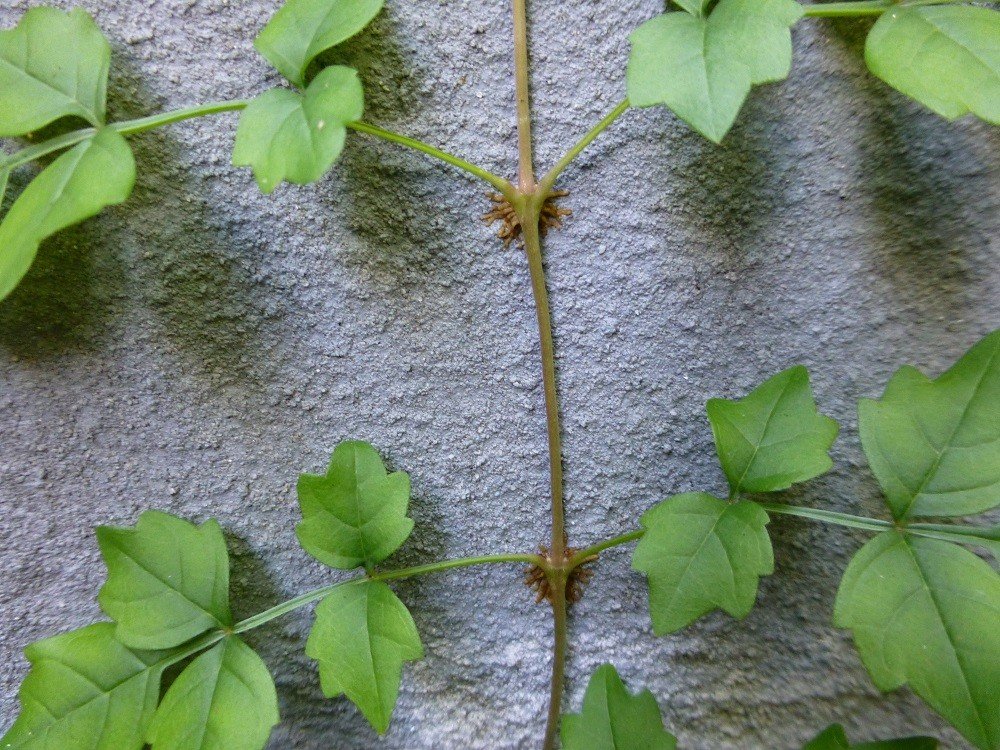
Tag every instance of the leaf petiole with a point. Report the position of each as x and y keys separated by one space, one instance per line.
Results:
x=848 y=9
x=389 y=575
x=549 y=180
x=143 y=124
x=829 y=516
x=498 y=182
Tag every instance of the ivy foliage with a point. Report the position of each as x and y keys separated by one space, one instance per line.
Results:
x=924 y=610
x=702 y=61
x=614 y=719
x=86 y=686
x=54 y=65
x=303 y=29
x=224 y=698
x=835 y=738
x=94 y=174
x=167 y=594
x=934 y=445
x=285 y=135
x=702 y=66
x=947 y=57
x=702 y=553
x=362 y=636
x=355 y=516
x=168 y=580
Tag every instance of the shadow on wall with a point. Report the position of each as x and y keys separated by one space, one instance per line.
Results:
x=404 y=207
x=913 y=175
x=166 y=251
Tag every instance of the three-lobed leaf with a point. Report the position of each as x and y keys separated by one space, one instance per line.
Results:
x=94 y=174
x=835 y=738
x=302 y=29
x=285 y=135
x=934 y=445
x=223 y=700
x=701 y=553
x=924 y=612
x=362 y=635
x=168 y=580
x=695 y=7
x=52 y=65
x=355 y=514
x=773 y=437
x=947 y=57
x=703 y=68
x=614 y=719
x=86 y=689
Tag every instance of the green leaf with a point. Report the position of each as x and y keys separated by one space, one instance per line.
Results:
x=834 y=738
x=774 y=437
x=985 y=537
x=924 y=612
x=223 y=700
x=86 y=689
x=947 y=57
x=97 y=173
x=168 y=580
x=302 y=29
x=285 y=135
x=702 y=68
x=701 y=553
x=613 y=719
x=694 y=7
x=52 y=64
x=934 y=445
x=355 y=514
x=362 y=635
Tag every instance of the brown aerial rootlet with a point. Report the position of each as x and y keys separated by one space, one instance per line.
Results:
x=551 y=216
x=536 y=578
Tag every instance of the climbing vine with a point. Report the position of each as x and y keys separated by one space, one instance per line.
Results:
x=169 y=669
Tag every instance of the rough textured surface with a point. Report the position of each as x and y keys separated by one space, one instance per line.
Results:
x=197 y=348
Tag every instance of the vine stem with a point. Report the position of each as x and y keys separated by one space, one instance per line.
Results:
x=548 y=182
x=143 y=124
x=389 y=575
x=948 y=532
x=528 y=203
x=522 y=84
x=847 y=9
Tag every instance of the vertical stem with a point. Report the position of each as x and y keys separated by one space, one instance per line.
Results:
x=558 y=659
x=557 y=576
x=532 y=248
x=526 y=169
x=529 y=206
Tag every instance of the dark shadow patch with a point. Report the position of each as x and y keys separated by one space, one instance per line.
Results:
x=166 y=247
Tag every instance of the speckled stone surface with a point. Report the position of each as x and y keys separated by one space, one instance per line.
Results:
x=198 y=347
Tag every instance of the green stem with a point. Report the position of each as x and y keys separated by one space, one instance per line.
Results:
x=865 y=7
x=522 y=84
x=560 y=642
x=589 y=552
x=548 y=182
x=498 y=182
x=848 y=9
x=142 y=124
x=126 y=127
x=829 y=516
x=389 y=575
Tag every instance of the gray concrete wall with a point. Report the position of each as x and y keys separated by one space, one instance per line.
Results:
x=197 y=348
